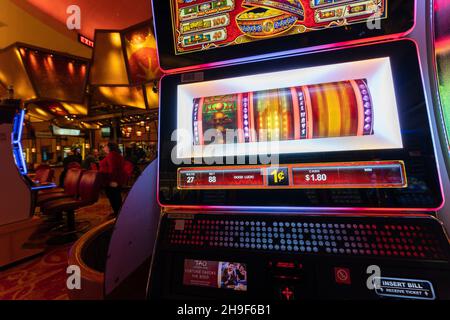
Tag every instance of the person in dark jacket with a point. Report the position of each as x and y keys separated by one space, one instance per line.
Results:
x=90 y=162
x=112 y=166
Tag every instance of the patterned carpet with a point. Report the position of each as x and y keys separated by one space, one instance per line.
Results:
x=44 y=277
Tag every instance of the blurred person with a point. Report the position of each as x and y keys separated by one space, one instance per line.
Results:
x=90 y=162
x=112 y=166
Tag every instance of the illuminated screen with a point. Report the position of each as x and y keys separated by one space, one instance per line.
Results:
x=215 y=274
x=319 y=109
x=204 y=24
x=140 y=48
x=57 y=131
x=106 y=132
x=343 y=128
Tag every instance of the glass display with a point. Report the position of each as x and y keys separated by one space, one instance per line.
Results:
x=335 y=129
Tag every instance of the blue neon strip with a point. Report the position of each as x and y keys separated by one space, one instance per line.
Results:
x=24 y=170
x=47 y=186
x=20 y=127
x=17 y=142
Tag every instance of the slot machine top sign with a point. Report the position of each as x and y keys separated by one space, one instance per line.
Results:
x=216 y=26
x=218 y=23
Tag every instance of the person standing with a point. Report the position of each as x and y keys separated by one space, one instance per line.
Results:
x=112 y=166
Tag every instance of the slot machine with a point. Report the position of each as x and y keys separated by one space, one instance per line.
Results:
x=299 y=153
x=17 y=220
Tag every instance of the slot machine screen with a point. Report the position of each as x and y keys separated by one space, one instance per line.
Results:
x=207 y=30
x=324 y=130
x=106 y=132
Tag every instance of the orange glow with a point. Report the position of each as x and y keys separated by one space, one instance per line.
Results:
x=443 y=45
x=71 y=69
x=75 y=108
x=122 y=95
x=115 y=39
x=50 y=63
x=33 y=60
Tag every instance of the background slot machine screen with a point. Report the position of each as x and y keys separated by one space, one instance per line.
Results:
x=331 y=129
x=216 y=26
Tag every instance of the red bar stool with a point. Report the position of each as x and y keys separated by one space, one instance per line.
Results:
x=70 y=189
x=89 y=192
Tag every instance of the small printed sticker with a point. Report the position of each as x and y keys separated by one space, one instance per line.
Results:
x=404 y=288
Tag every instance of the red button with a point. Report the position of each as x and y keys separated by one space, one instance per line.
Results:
x=342 y=275
x=287 y=293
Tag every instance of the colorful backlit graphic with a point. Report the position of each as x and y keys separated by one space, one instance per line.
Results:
x=338 y=109
x=140 y=46
x=215 y=274
x=205 y=24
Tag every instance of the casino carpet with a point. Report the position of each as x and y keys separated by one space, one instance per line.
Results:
x=44 y=277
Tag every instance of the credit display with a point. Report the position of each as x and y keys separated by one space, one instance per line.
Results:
x=376 y=174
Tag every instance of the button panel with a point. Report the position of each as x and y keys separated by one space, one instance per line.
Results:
x=396 y=238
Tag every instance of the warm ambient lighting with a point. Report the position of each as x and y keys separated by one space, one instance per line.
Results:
x=33 y=150
x=139 y=133
x=58 y=148
x=147 y=128
x=129 y=129
x=87 y=146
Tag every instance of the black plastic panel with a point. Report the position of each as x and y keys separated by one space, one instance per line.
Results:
x=402 y=248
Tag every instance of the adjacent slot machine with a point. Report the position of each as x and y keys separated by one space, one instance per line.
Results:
x=296 y=155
